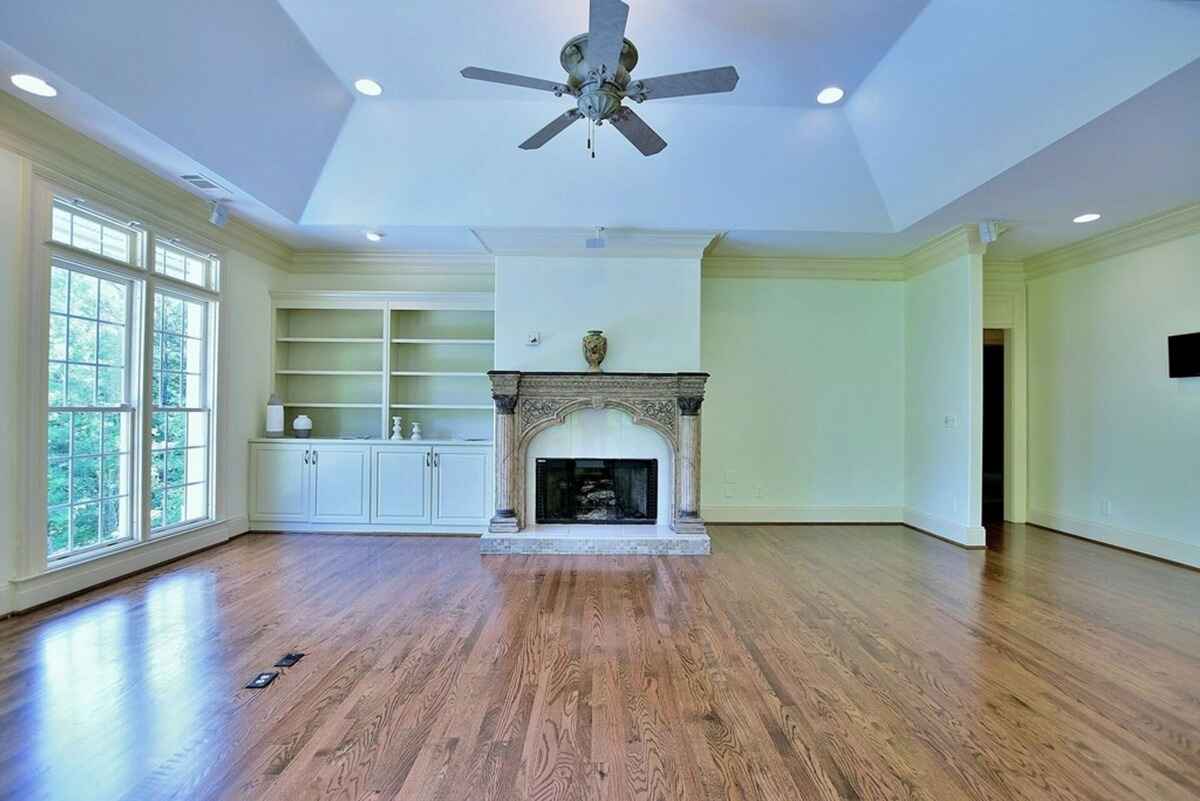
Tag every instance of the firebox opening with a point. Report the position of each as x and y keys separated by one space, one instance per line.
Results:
x=600 y=491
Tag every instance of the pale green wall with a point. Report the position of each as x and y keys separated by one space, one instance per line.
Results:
x=12 y=339
x=1106 y=423
x=944 y=355
x=245 y=366
x=804 y=415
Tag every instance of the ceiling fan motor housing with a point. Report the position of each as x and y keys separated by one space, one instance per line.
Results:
x=598 y=96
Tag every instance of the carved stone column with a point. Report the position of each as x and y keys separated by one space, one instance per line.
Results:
x=687 y=518
x=504 y=393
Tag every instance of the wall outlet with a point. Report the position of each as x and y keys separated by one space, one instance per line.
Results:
x=951 y=421
x=1106 y=507
x=533 y=339
x=760 y=492
x=727 y=490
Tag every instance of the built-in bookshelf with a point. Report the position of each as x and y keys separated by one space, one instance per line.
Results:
x=439 y=360
x=352 y=361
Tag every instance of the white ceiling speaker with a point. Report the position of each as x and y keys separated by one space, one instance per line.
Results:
x=218 y=213
x=598 y=64
x=598 y=241
x=989 y=231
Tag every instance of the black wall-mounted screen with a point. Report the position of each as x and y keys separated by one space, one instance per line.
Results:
x=1185 y=355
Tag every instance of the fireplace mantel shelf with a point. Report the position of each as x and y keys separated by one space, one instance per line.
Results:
x=530 y=402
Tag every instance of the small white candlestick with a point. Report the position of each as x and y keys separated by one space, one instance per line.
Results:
x=397 y=433
x=416 y=431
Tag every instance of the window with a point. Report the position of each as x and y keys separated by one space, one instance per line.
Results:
x=130 y=365
x=90 y=417
x=174 y=260
x=179 y=430
x=94 y=232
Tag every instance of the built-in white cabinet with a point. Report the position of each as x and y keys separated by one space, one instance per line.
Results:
x=341 y=483
x=401 y=485
x=409 y=487
x=279 y=482
x=460 y=485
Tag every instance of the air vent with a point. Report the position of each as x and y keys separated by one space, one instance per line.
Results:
x=204 y=184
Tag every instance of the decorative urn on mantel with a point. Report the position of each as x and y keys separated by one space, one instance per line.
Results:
x=595 y=348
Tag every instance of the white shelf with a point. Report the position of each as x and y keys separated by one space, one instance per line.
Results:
x=444 y=341
x=336 y=340
x=328 y=372
x=479 y=406
x=477 y=373
x=296 y=404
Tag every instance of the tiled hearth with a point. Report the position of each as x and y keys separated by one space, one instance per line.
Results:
x=529 y=403
x=593 y=539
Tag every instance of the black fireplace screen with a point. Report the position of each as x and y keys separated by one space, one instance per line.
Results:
x=613 y=491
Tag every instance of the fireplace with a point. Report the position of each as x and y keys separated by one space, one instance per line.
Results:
x=597 y=491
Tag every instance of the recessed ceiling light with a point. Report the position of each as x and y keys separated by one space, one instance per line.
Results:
x=375 y=236
x=34 y=85
x=830 y=95
x=366 y=86
x=1087 y=218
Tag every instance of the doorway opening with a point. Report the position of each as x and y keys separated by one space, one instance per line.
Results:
x=993 y=426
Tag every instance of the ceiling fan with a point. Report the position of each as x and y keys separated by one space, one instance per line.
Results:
x=598 y=64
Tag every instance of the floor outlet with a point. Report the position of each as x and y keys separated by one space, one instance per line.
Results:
x=289 y=659
x=262 y=680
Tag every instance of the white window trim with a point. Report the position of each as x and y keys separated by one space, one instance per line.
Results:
x=42 y=190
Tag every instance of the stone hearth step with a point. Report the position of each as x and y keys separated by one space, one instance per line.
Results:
x=598 y=540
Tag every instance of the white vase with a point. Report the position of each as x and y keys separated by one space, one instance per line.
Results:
x=416 y=431
x=396 y=432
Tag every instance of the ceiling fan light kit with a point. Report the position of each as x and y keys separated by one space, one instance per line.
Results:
x=598 y=66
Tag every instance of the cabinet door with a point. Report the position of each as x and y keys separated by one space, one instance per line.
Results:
x=279 y=483
x=461 y=479
x=401 y=485
x=341 y=483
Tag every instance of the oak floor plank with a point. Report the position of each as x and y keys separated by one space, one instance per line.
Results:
x=806 y=662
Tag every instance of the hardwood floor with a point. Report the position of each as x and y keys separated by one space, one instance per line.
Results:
x=815 y=662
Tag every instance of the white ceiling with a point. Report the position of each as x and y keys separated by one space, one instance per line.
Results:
x=1027 y=112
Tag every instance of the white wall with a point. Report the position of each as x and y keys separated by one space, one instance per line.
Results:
x=804 y=416
x=649 y=308
x=1114 y=443
x=12 y=394
x=943 y=433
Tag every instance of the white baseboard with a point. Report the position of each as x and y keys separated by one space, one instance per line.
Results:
x=801 y=514
x=61 y=582
x=365 y=528
x=1150 y=544
x=958 y=533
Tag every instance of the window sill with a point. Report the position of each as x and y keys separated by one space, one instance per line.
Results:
x=67 y=577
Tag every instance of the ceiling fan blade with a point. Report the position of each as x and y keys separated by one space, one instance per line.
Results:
x=681 y=84
x=556 y=126
x=635 y=129
x=512 y=79
x=606 y=34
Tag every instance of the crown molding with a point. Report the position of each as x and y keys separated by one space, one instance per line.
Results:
x=960 y=241
x=866 y=269
x=1173 y=224
x=621 y=242
x=392 y=263
x=379 y=299
x=65 y=156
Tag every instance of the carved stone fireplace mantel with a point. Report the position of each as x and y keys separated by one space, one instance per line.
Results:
x=528 y=403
